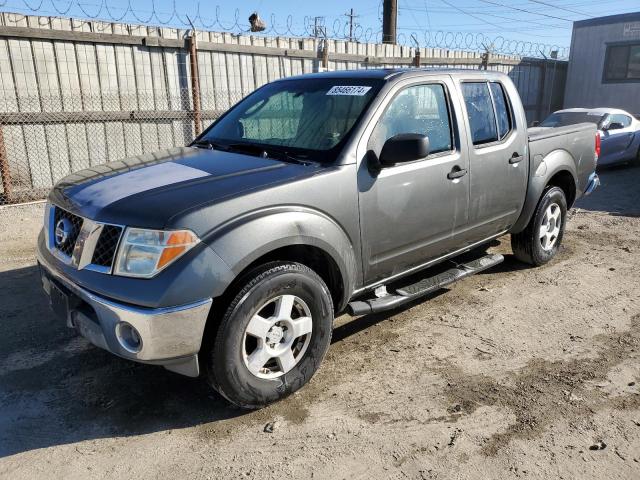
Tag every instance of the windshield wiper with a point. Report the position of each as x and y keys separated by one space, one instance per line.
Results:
x=208 y=144
x=297 y=158
x=250 y=149
x=273 y=153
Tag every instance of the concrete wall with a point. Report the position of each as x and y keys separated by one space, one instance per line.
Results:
x=585 y=86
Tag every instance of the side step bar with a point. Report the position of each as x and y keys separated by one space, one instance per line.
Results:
x=424 y=286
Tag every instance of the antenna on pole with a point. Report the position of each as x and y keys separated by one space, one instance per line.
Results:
x=486 y=56
x=318 y=27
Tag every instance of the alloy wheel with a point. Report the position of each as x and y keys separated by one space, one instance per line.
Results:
x=550 y=227
x=277 y=336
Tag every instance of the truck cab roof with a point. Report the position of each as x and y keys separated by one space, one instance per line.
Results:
x=396 y=73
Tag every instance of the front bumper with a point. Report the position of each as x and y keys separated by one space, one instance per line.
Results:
x=592 y=183
x=169 y=336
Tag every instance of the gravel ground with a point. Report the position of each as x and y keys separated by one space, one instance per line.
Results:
x=513 y=373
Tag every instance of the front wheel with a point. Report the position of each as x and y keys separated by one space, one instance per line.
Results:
x=272 y=337
x=539 y=242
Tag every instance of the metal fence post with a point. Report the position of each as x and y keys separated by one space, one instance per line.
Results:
x=416 y=58
x=4 y=170
x=195 y=82
x=325 y=54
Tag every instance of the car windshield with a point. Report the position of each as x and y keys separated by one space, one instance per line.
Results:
x=309 y=117
x=571 y=118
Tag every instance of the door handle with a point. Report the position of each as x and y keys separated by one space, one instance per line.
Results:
x=456 y=172
x=515 y=158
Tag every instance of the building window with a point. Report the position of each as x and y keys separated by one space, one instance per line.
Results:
x=622 y=63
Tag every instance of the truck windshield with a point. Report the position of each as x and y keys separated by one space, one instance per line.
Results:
x=309 y=117
x=571 y=118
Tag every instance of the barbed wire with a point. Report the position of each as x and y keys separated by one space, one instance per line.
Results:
x=338 y=29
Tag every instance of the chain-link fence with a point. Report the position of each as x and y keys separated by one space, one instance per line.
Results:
x=47 y=138
x=74 y=95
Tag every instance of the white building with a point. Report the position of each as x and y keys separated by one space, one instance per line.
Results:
x=604 y=63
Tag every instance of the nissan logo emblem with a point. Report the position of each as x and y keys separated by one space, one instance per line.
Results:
x=64 y=230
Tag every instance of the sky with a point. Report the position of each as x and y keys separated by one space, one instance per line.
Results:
x=546 y=22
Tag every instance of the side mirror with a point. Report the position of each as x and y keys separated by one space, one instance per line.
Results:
x=535 y=123
x=614 y=126
x=405 y=147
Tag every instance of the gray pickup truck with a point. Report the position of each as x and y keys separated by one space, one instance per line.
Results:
x=352 y=191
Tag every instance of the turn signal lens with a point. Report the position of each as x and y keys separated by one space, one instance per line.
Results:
x=598 y=145
x=180 y=242
x=144 y=253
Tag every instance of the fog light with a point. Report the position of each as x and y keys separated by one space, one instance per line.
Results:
x=128 y=337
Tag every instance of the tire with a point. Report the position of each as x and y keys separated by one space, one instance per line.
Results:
x=244 y=339
x=529 y=246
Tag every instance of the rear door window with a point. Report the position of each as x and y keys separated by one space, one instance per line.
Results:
x=503 y=111
x=482 y=119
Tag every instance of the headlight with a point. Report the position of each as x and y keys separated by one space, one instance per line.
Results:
x=144 y=253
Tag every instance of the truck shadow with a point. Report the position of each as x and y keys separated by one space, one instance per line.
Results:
x=56 y=388
x=618 y=194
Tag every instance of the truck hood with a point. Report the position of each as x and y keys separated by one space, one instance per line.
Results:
x=149 y=190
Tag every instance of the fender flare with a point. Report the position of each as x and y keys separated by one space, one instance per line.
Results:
x=277 y=227
x=542 y=171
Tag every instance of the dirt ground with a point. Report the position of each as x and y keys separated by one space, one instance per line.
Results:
x=514 y=373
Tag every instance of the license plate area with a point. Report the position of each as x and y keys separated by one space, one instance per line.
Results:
x=59 y=301
x=63 y=301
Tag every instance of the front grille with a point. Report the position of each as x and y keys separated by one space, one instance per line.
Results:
x=105 y=250
x=76 y=225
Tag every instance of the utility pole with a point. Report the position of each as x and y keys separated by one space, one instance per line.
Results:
x=351 y=17
x=318 y=27
x=389 y=21
x=320 y=32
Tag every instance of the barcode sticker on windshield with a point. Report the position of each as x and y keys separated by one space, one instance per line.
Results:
x=354 y=90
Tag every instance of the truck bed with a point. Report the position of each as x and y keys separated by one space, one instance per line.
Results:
x=578 y=140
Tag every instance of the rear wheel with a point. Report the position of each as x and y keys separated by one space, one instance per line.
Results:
x=539 y=242
x=272 y=337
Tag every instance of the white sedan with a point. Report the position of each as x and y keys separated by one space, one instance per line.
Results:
x=619 y=131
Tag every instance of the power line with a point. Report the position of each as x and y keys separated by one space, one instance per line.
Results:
x=508 y=19
x=546 y=7
x=415 y=19
x=426 y=9
x=560 y=8
x=511 y=19
x=470 y=14
x=525 y=11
